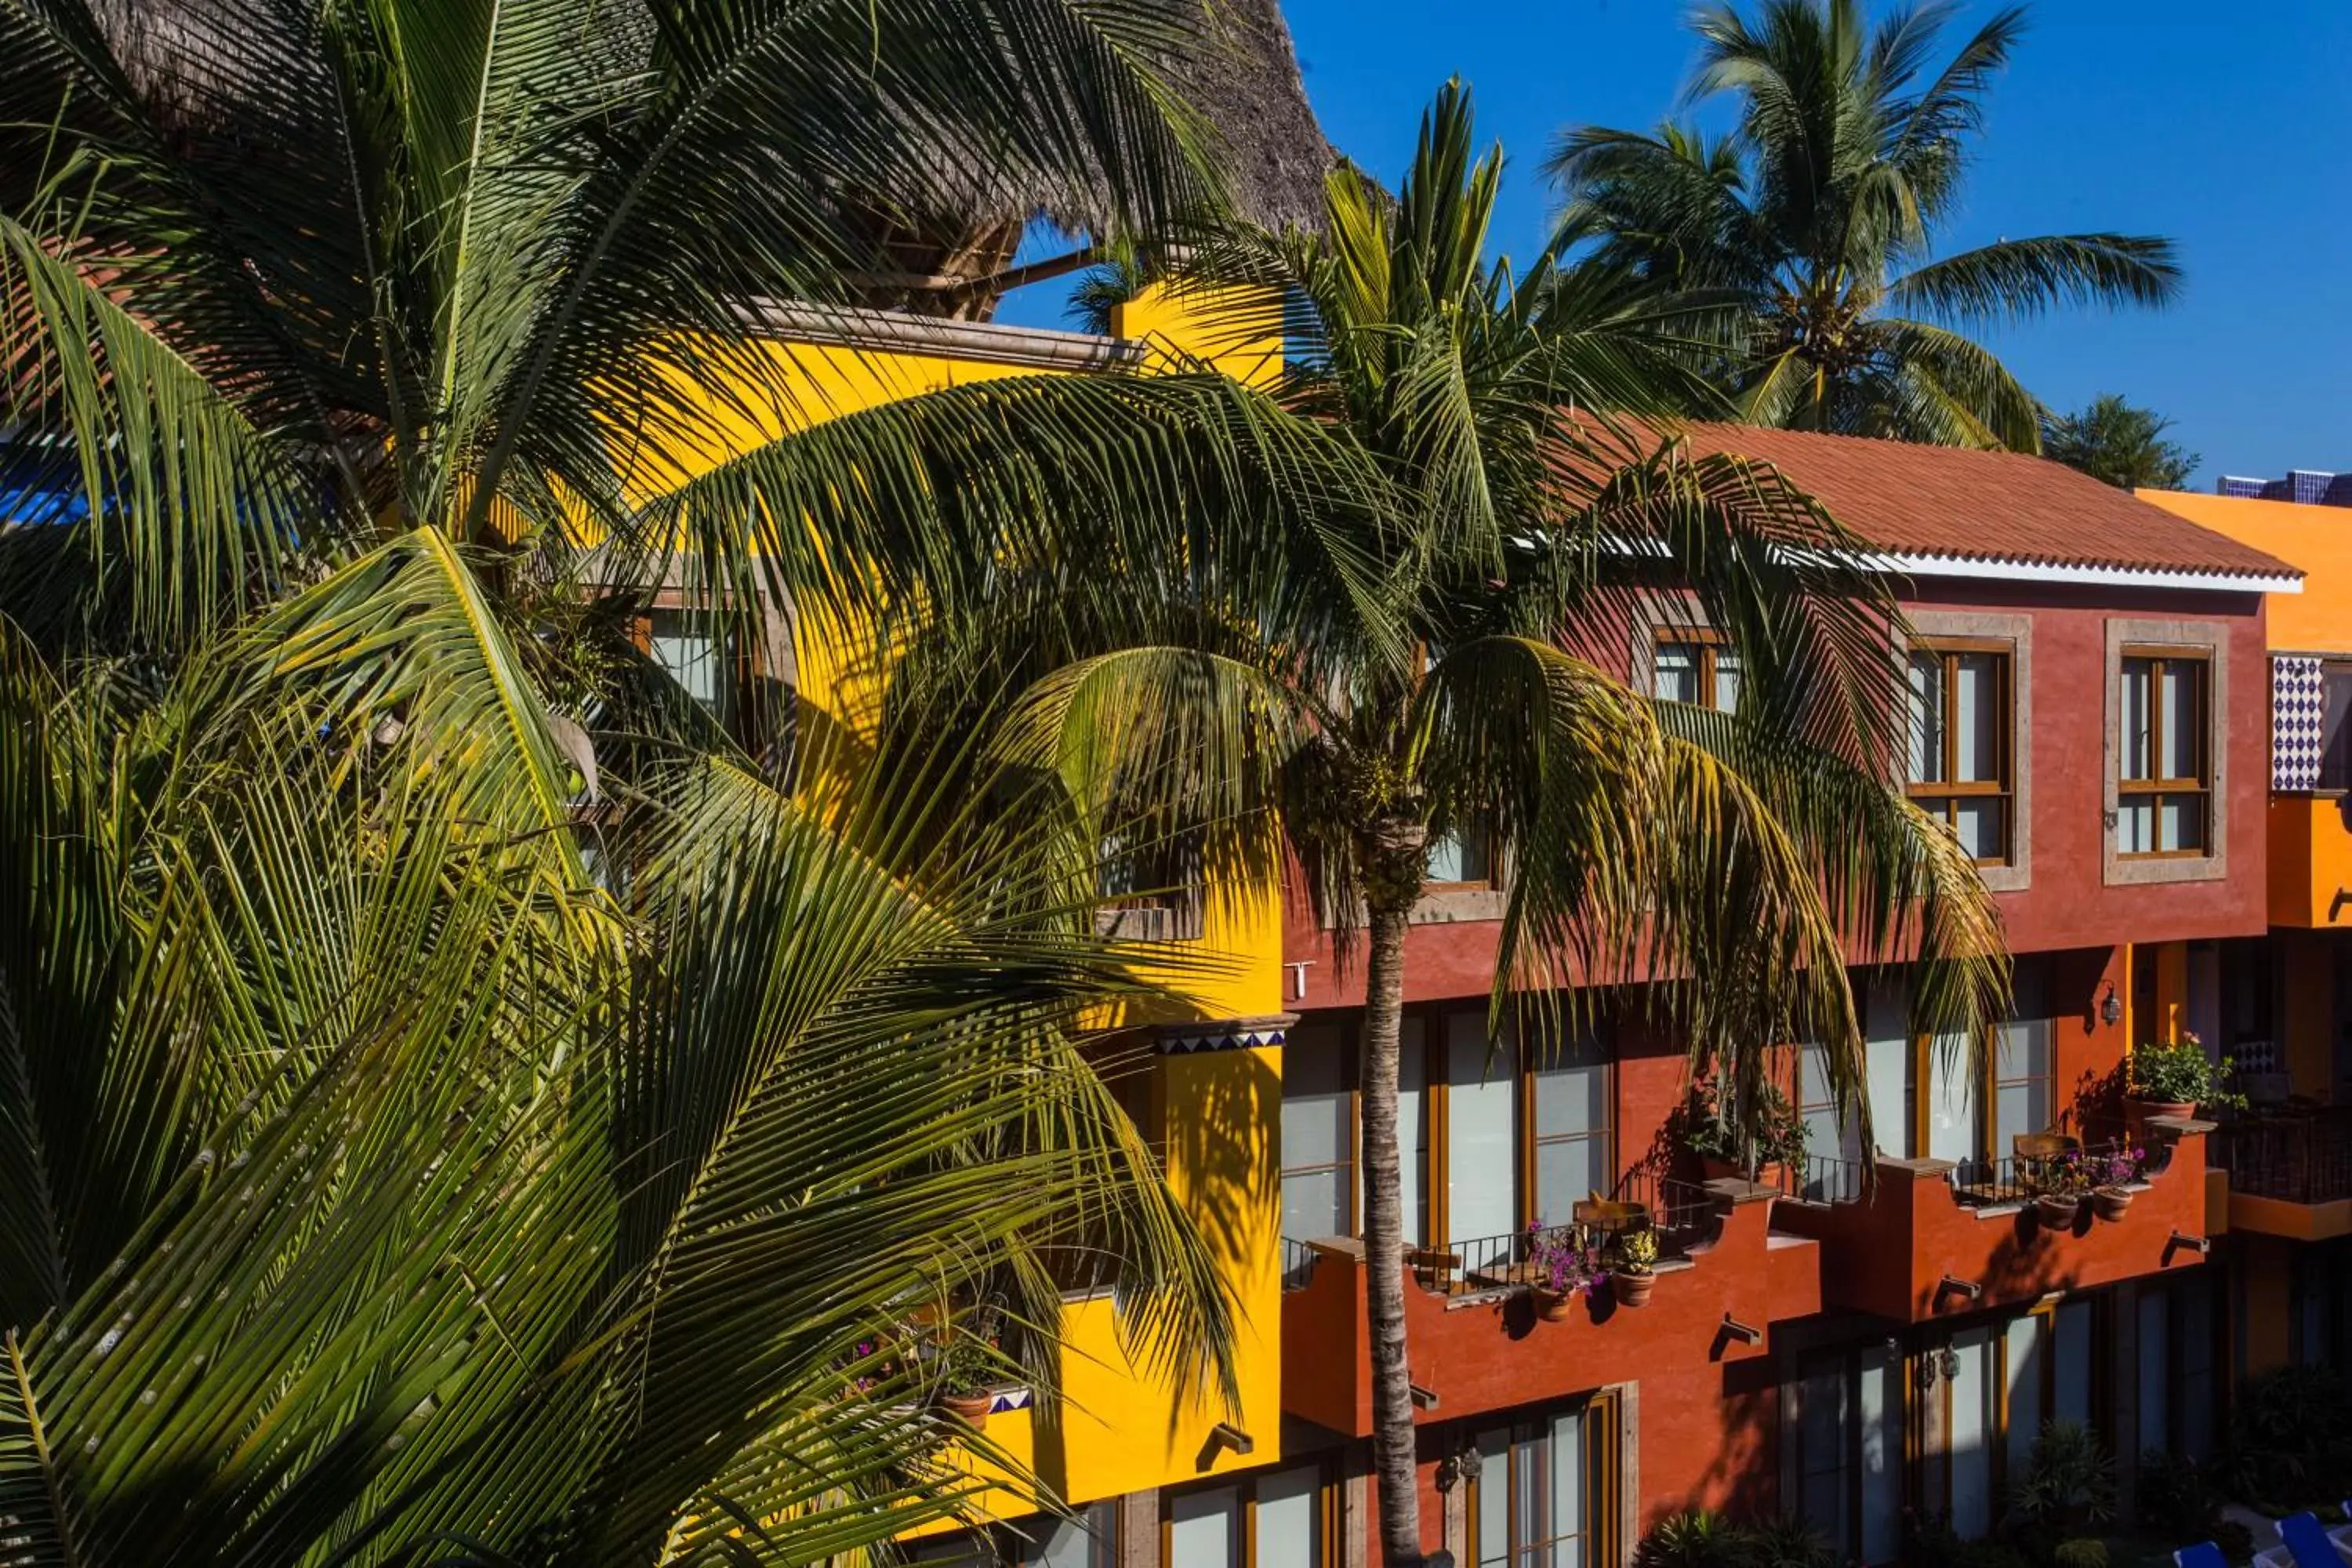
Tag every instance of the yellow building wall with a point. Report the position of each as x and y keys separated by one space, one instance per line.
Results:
x=1119 y=1427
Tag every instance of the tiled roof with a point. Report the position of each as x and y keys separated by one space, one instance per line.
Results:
x=1993 y=507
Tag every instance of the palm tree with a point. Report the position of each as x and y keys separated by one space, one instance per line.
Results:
x=367 y=1195
x=1816 y=221
x=1438 y=660
x=375 y=1182
x=2118 y=443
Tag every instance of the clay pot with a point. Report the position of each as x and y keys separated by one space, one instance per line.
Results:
x=1633 y=1290
x=2109 y=1202
x=2148 y=1107
x=1552 y=1306
x=971 y=1409
x=1716 y=1170
x=2057 y=1213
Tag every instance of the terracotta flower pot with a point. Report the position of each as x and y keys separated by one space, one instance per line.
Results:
x=2057 y=1212
x=1716 y=1170
x=1552 y=1306
x=971 y=1409
x=2178 y=1107
x=2109 y=1202
x=1633 y=1290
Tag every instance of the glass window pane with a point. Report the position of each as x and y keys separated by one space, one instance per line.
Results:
x=1288 y=1522
x=1822 y=1450
x=1571 y=1096
x=1976 y=718
x=1882 y=1456
x=1568 y=1171
x=2135 y=826
x=1493 y=1547
x=1203 y=1528
x=2071 y=1358
x=681 y=647
x=964 y=1549
x=1482 y=1101
x=1567 y=1492
x=1532 y=1521
x=2134 y=720
x=1082 y=1542
x=2182 y=680
x=1413 y=1130
x=1972 y=1433
x=2154 y=1382
x=1980 y=821
x=2181 y=822
x=1951 y=1105
x=1888 y=1059
x=2336 y=727
x=1315 y=1204
x=1727 y=680
x=1927 y=718
x=1317 y=1105
x=2193 y=1299
x=1677 y=672
x=2022 y=1369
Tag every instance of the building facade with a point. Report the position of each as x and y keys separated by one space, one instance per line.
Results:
x=1869 y=1342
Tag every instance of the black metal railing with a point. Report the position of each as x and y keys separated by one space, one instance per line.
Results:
x=2022 y=1178
x=1826 y=1179
x=1680 y=1214
x=1298 y=1263
x=2299 y=1157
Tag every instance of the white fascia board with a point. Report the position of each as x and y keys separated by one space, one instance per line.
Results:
x=2080 y=573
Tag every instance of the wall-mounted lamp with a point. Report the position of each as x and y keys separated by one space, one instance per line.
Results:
x=1423 y=1398
x=2175 y=1242
x=1741 y=1331
x=2111 y=1006
x=1953 y=1285
x=1226 y=1434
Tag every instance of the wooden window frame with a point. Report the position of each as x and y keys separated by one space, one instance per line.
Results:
x=1530 y=1141
x=1709 y=644
x=1848 y=1359
x=2154 y=790
x=1603 y=1415
x=1328 y=1483
x=1951 y=791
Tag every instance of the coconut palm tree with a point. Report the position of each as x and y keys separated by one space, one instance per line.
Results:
x=381 y=1178
x=2118 y=443
x=1451 y=668
x=1819 y=218
x=370 y=1195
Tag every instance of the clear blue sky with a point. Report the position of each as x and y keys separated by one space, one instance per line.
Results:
x=2227 y=127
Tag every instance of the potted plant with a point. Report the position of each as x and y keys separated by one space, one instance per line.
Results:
x=2111 y=1174
x=2175 y=1080
x=1566 y=1267
x=962 y=1362
x=1635 y=1273
x=2059 y=1186
x=1701 y=1126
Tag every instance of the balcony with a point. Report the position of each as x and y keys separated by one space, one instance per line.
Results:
x=2310 y=870
x=2290 y=1172
x=1928 y=1238
x=1476 y=1343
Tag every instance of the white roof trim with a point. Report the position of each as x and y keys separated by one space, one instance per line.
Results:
x=993 y=343
x=1909 y=565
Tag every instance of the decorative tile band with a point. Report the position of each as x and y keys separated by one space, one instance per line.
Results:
x=1224 y=1035
x=2297 y=709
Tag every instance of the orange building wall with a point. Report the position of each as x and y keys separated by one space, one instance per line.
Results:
x=2317 y=539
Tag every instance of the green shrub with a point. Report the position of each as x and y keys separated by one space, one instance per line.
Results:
x=2069 y=1481
x=1694 y=1538
x=2290 y=1440
x=2181 y=1073
x=2174 y=1497
x=2086 y=1553
x=1788 y=1542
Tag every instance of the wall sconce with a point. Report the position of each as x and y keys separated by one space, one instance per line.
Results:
x=2175 y=1242
x=1953 y=1285
x=1743 y=1332
x=2111 y=1006
x=1460 y=1466
x=1423 y=1398
x=1226 y=1434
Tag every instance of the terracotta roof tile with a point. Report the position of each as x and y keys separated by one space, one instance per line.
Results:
x=1986 y=506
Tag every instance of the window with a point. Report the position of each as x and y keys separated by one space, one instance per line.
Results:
x=1569 y=1100
x=1961 y=741
x=1833 y=1142
x=2336 y=726
x=1541 y=1487
x=1988 y=1390
x=1482 y=1129
x=2164 y=787
x=1969 y=1118
x=1043 y=1541
x=1461 y=859
x=1697 y=667
x=1842 y=1446
x=681 y=642
x=1318 y=1135
x=2024 y=1063
x=1273 y=1520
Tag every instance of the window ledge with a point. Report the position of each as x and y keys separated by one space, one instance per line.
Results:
x=1452 y=906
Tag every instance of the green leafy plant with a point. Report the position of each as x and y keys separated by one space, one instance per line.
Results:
x=2085 y=1551
x=2288 y=1443
x=2069 y=1481
x=1694 y=1538
x=2181 y=1074
x=1775 y=1133
x=1787 y=1541
x=2173 y=1497
x=2118 y=444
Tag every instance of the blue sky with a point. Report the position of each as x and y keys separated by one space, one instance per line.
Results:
x=2228 y=127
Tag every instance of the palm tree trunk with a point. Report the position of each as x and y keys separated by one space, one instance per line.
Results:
x=1395 y=867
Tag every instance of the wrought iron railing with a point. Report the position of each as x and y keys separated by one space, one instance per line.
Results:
x=2300 y=1157
x=2022 y=1178
x=1680 y=1214
x=1298 y=1263
x=1827 y=1179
